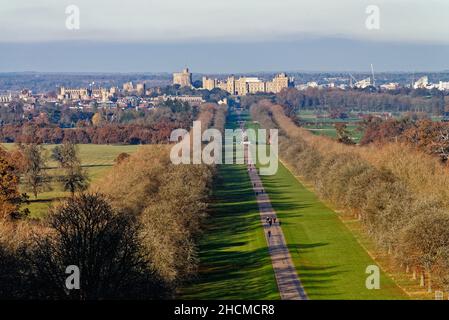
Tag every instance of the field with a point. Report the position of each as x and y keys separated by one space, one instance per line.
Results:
x=330 y=262
x=234 y=259
x=325 y=126
x=95 y=159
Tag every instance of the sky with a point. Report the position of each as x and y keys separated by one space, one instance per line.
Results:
x=214 y=36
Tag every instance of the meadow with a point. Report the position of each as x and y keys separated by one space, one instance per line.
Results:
x=325 y=126
x=95 y=159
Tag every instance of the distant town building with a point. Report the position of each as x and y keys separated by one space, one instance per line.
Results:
x=390 y=86
x=192 y=100
x=140 y=88
x=248 y=85
x=84 y=93
x=421 y=83
x=184 y=78
x=443 y=86
x=6 y=98
x=128 y=87
x=362 y=84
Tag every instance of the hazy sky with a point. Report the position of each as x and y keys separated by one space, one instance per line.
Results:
x=239 y=27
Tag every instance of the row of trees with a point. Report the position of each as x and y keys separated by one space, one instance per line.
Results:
x=400 y=195
x=133 y=236
x=425 y=135
x=105 y=134
x=70 y=116
x=101 y=127
x=336 y=99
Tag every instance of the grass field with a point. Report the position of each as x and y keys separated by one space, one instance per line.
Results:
x=329 y=260
x=95 y=159
x=330 y=131
x=234 y=259
x=326 y=126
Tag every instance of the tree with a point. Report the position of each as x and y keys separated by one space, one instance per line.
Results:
x=88 y=233
x=74 y=177
x=343 y=135
x=35 y=177
x=121 y=157
x=10 y=197
x=97 y=119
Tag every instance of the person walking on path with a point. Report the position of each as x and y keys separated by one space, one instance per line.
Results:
x=274 y=219
x=269 y=233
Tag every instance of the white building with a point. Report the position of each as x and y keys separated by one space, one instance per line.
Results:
x=6 y=98
x=362 y=84
x=443 y=86
x=421 y=83
x=390 y=86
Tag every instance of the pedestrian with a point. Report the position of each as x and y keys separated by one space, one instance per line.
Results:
x=274 y=219
x=270 y=222
x=269 y=233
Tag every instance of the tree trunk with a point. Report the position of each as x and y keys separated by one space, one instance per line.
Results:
x=429 y=282
x=421 y=281
x=414 y=274
x=407 y=269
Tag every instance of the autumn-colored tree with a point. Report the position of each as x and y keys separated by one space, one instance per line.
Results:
x=97 y=119
x=343 y=135
x=121 y=157
x=10 y=197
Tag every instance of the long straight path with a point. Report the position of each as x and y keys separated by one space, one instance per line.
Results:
x=289 y=285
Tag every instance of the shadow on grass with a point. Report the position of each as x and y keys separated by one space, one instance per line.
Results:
x=234 y=260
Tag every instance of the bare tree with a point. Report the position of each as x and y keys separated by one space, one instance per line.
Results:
x=85 y=231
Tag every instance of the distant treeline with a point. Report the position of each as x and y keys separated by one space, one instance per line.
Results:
x=293 y=100
x=53 y=125
x=400 y=194
x=104 y=134
x=423 y=134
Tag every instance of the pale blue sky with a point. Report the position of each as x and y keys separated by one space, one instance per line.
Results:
x=193 y=26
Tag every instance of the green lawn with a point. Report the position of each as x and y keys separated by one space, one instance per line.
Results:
x=330 y=262
x=95 y=159
x=234 y=259
x=330 y=131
